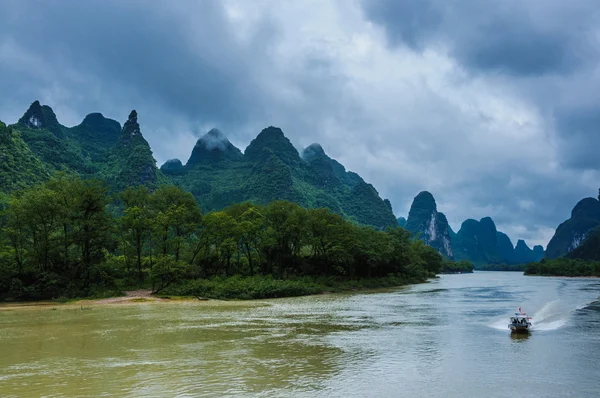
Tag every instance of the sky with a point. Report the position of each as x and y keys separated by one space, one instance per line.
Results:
x=492 y=106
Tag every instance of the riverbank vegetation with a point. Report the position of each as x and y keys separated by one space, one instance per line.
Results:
x=564 y=266
x=70 y=237
x=457 y=267
x=502 y=267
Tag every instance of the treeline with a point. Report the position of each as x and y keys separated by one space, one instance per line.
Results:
x=457 y=267
x=502 y=267
x=564 y=266
x=69 y=237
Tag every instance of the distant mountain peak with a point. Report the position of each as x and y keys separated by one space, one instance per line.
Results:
x=521 y=242
x=313 y=151
x=172 y=165
x=133 y=161
x=213 y=147
x=131 y=128
x=272 y=138
x=424 y=200
x=214 y=139
x=34 y=117
x=424 y=219
x=41 y=117
x=132 y=117
x=93 y=119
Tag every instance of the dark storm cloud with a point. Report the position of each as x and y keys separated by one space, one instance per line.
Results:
x=180 y=55
x=580 y=128
x=514 y=37
x=411 y=22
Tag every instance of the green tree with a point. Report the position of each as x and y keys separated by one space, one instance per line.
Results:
x=176 y=216
x=136 y=222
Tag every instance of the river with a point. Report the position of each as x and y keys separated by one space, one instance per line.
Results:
x=446 y=338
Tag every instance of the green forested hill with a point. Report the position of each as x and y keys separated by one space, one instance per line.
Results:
x=19 y=167
x=131 y=161
x=96 y=148
x=272 y=169
x=217 y=173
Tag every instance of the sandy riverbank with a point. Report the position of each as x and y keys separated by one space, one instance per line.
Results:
x=134 y=297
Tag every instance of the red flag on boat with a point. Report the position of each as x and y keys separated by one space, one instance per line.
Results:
x=519 y=309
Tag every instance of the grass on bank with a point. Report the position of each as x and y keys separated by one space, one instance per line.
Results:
x=264 y=287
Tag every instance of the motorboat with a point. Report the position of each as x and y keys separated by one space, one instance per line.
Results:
x=520 y=322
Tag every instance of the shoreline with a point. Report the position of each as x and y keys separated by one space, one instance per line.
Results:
x=144 y=296
x=565 y=276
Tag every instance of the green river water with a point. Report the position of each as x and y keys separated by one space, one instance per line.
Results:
x=446 y=338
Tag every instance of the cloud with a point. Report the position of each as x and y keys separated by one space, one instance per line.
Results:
x=486 y=105
x=514 y=37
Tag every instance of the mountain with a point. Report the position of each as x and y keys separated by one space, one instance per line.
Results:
x=538 y=252
x=39 y=117
x=96 y=148
x=589 y=249
x=430 y=225
x=569 y=235
x=131 y=161
x=172 y=166
x=96 y=136
x=477 y=241
x=19 y=167
x=219 y=174
x=482 y=244
x=506 y=248
x=47 y=139
x=523 y=254
x=213 y=147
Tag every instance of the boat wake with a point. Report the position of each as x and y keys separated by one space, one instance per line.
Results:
x=553 y=315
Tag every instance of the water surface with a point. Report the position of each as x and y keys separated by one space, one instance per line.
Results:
x=447 y=338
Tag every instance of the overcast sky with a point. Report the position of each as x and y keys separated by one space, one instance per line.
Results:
x=493 y=106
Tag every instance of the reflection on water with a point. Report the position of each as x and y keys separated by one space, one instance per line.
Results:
x=443 y=339
x=519 y=337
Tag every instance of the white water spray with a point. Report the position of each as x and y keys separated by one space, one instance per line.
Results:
x=553 y=315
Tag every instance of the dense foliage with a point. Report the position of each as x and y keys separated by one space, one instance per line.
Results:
x=67 y=237
x=564 y=267
x=503 y=267
x=19 y=167
x=457 y=267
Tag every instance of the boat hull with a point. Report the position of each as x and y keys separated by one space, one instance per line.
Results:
x=518 y=329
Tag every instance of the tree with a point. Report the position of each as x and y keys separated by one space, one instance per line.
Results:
x=136 y=222
x=176 y=216
x=251 y=233
x=91 y=224
x=222 y=232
